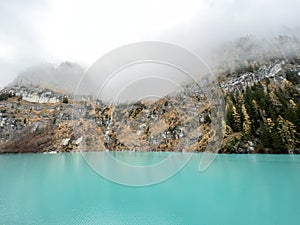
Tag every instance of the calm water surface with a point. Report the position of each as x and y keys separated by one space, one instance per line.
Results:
x=236 y=189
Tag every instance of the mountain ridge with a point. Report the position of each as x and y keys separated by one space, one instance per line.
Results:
x=261 y=111
x=52 y=125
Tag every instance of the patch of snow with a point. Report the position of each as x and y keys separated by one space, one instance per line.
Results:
x=78 y=141
x=51 y=152
x=65 y=142
x=35 y=98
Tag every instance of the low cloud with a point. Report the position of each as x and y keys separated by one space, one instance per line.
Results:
x=34 y=32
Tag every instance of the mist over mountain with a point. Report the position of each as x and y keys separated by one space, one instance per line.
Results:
x=48 y=31
x=250 y=52
x=61 y=78
x=247 y=52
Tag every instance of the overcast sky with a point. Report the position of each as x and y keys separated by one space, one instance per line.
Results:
x=33 y=32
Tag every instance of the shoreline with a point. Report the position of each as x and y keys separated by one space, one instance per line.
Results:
x=130 y=151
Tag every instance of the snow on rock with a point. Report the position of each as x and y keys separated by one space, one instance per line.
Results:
x=43 y=98
x=78 y=141
x=65 y=141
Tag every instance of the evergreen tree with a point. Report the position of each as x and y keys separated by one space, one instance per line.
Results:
x=287 y=131
x=247 y=122
x=236 y=126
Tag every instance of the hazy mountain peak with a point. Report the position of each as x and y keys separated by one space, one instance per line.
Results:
x=63 y=77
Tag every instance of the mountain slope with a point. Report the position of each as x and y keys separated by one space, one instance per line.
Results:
x=262 y=112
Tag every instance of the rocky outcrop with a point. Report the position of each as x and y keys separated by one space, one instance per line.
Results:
x=248 y=79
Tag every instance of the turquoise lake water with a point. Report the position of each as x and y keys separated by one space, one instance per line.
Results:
x=62 y=189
